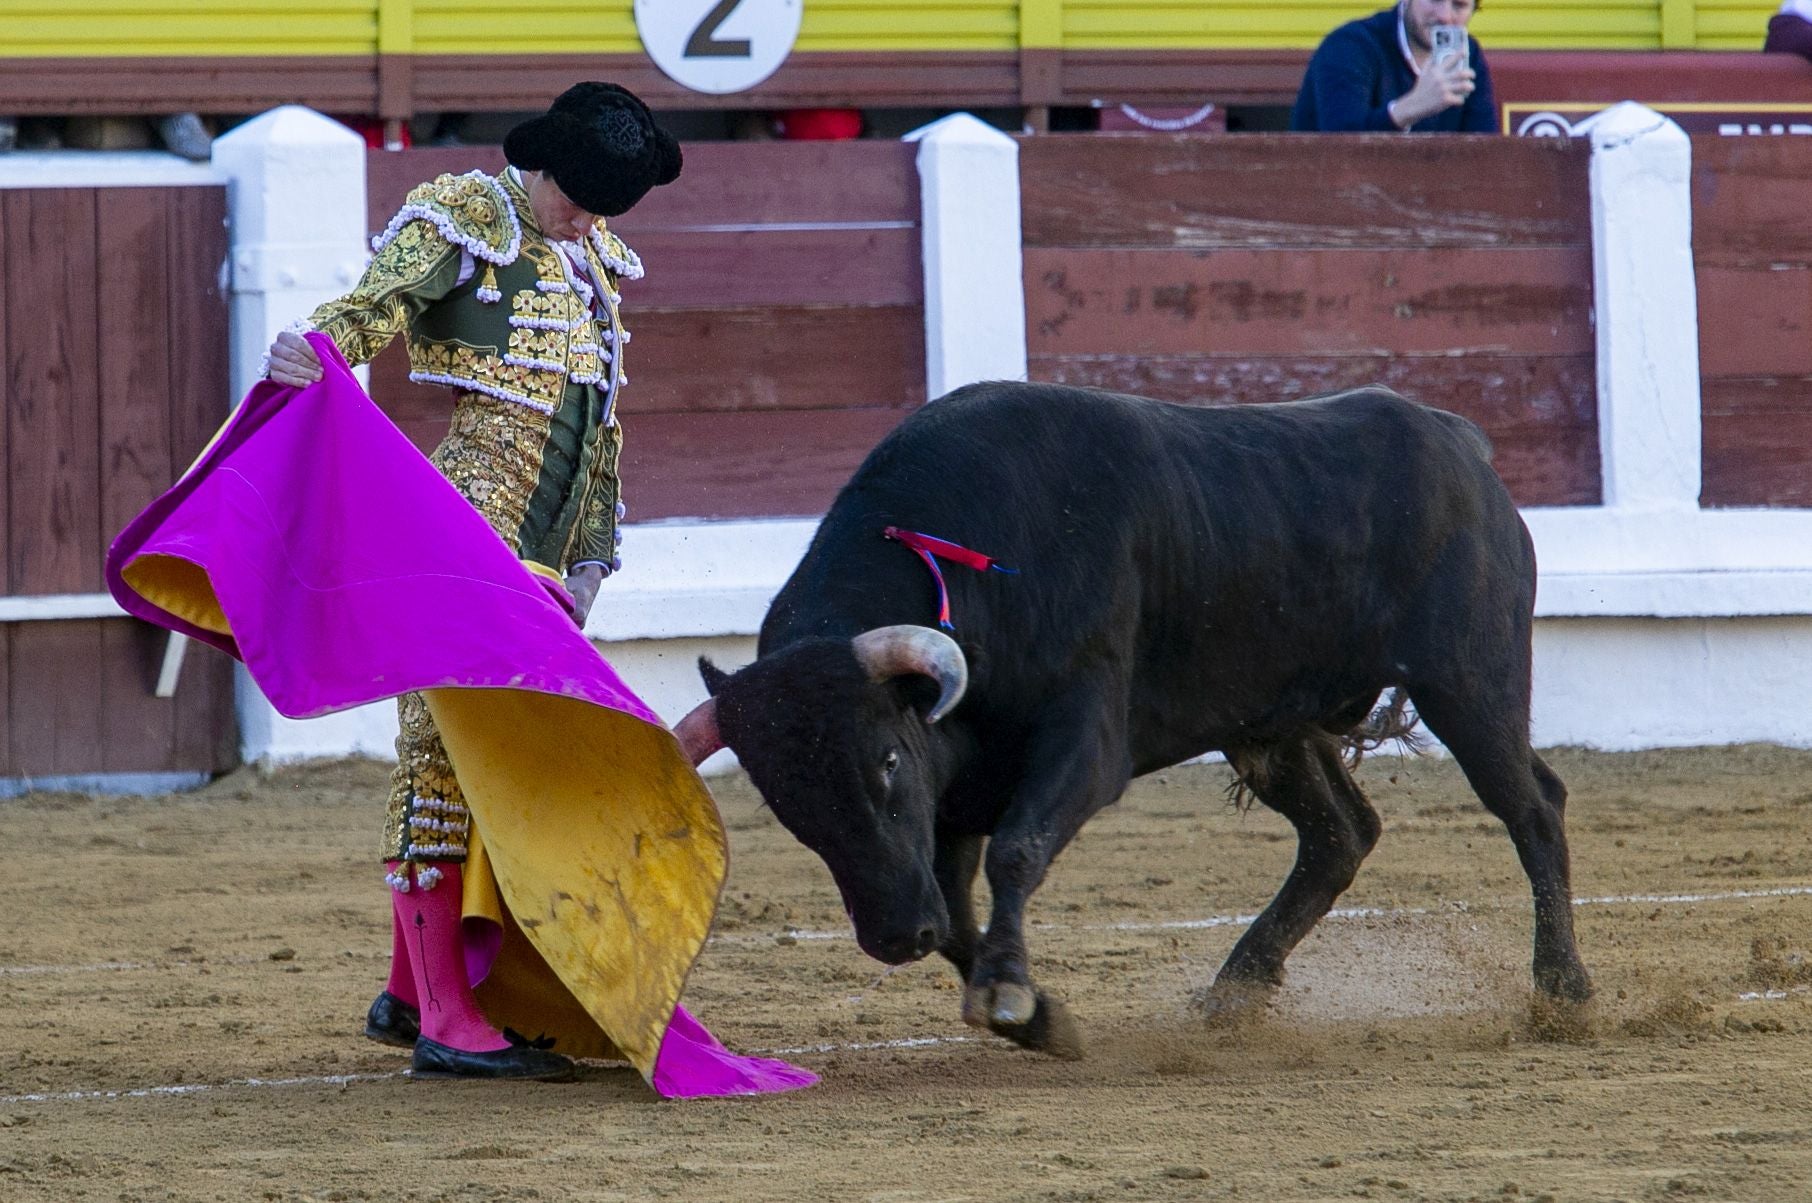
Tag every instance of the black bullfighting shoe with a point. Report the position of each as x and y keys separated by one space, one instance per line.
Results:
x=392 y=1021
x=436 y=1060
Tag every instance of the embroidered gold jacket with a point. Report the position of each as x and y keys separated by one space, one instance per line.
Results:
x=489 y=307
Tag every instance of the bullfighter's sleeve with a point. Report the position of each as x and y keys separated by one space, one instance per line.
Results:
x=413 y=270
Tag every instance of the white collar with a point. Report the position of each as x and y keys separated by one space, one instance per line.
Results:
x=1403 y=42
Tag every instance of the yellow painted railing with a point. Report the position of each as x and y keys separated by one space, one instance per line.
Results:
x=118 y=28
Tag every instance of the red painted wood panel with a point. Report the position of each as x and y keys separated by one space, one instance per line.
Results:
x=1265 y=190
x=1752 y=249
x=700 y=361
x=1758 y=442
x=6 y=526
x=1756 y=321
x=1540 y=411
x=6 y=699
x=804 y=357
x=741 y=465
x=777 y=265
x=57 y=725
x=133 y=251
x=1344 y=301
x=1750 y=198
x=53 y=345
x=736 y=184
x=206 y=732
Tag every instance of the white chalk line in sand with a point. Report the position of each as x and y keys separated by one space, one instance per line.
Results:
x=343 y=1080
x=1202 y=924
x=1342 y=912
x=911 y=1042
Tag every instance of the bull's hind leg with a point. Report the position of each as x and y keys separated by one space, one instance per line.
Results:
x=1306 y=782
x=1489 y=738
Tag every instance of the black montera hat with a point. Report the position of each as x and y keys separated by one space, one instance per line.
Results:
x=601 y=145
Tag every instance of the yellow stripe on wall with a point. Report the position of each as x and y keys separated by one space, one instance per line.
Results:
x=109 y=28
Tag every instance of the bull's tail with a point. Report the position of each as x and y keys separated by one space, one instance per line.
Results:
x=1392 y=721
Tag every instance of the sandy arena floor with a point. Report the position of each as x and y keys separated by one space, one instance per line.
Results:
x=182 y=982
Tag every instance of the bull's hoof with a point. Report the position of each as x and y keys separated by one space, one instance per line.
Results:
x=1566 y=983
x=1026 y=1017
x=1225 y=1004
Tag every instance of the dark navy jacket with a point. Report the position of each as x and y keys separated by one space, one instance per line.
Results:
x=1359 y=69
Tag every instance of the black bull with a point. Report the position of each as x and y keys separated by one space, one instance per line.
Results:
x=1247 y=579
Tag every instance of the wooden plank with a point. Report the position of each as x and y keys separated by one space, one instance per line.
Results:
x=1189 y=77
x=56 y=673
x=53 y=346
x=205 y=731
x=137 y=728
x=1749 y=198
x=1249 y=302
x=808 y=79
x=704 y=360
x=1274 y=190
x=155 y=85
x=1756 y=436
x=1540 y=411
x=777 y=265
x=1755 y=322
x=744 y=465
x=6 y=526
x=200 y=381
x=7 y=677
x=133 y=260
x=131 y=245
x=723 y=184
x=10 y=205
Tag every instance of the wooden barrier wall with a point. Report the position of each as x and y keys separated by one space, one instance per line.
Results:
x=1245 y=268
x=114 y=346
x=778 y=333
x=1752 y=252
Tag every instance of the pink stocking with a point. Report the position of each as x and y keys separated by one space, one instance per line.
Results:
x=430 y=920
x=402 y=978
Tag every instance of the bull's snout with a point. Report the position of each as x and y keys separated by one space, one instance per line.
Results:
x=911 y=945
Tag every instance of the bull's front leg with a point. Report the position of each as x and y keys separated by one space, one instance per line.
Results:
x=1078 y=769
x=958 y=857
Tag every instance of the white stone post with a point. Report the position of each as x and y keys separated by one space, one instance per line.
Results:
x=1646 y=304
x=975 y=303
x=296 y=196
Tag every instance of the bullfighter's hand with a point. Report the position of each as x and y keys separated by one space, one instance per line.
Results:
x=293 y=361
x=1440 y=87
x=582 y=582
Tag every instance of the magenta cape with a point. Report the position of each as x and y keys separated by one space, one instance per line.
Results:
x=312 y=541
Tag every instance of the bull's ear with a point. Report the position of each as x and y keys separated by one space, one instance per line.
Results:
x=713 y=675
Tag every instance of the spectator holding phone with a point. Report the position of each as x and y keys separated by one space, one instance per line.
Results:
x=1412 y=67
x=1790 y=30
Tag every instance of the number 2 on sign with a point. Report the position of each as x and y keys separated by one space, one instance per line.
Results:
x=704 y=44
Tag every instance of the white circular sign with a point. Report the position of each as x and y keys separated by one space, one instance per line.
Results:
x=718 y=46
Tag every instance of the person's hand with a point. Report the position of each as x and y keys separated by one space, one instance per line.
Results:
x=1440 y=87
x=293 y=361
x=582 y=582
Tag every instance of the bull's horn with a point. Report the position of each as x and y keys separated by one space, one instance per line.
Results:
x=888 y=652
x=697 y=732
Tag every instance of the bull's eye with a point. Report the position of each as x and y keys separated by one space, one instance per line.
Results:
x=889 y=765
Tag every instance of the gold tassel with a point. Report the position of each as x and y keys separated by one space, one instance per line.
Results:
x=487 y=287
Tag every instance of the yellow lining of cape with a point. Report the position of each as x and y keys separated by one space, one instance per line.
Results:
x=607 y=852
x=177 y=586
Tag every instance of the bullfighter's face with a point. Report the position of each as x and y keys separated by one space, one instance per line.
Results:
x=860 y=798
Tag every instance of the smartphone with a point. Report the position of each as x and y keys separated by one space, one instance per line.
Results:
x=1448 y=40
